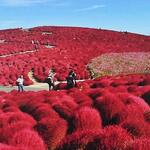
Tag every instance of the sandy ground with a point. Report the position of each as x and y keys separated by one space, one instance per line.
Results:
x=39 y=87
x=34 y=87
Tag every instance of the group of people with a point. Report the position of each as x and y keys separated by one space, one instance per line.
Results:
x=51 y=80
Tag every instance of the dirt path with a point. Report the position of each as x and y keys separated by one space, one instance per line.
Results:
x=31 y=77
x=36 y=86
x=18 y=53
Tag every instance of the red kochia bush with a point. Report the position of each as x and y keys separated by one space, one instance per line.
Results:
x=11 y=109
x=94 y=93
x=81 y=140
x=80 y=98
x=83 y=85
x=146 y=97
x=111 y=108
x=137 y=128
x=129 y=99
x=134 y=111
x=52 y=131
x=65 y=107
x=144 y=89
x=28 y=105
x=138 y=144
x=8 y=147
x=61 y=86
x=118 y=89
x=87 y=118
x=101 y=83
x=134 y=122
x=6 y=132
x=133 y=89
x=146 y=81
x=113 y=137
x=6 y=104
x=54 y=96
x=147 y=116
x=10 y=118
x=44 y=110
x=29 y=139
x=118 y=82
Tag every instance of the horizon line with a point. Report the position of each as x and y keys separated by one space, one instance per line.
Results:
x=71 y=26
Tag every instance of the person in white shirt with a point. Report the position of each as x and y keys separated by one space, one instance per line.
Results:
x=20 y=81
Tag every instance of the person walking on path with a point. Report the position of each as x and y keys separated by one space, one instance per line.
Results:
x=71 y=79
x=20 y=82
x=51 y=79
x=73 y=74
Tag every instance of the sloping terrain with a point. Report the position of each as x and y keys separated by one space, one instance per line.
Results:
x=40 y=48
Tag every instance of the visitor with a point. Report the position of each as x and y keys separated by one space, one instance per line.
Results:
x=73 y=74
x=70 y=82
x=20 y=81
x=51 y=79
x=36 y=45
x=71 y=79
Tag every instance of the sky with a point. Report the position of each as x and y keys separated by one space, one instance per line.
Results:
x=119 y=15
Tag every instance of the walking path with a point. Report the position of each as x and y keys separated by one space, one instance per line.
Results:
x=17 y=53
x=36 y=86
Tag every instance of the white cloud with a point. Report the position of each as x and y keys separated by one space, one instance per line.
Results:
x=90 y=8
x=22 y=2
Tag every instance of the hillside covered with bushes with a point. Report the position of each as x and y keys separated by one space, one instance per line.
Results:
x=40 y=48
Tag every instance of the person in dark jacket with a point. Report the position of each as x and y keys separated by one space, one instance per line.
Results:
x=71 y=79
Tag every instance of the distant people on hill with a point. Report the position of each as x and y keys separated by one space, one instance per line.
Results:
x=36 y=44
x=71 y=79
x=19 y=83
x=51 y=79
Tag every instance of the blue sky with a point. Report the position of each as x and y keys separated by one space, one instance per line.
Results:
x=121 y=15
